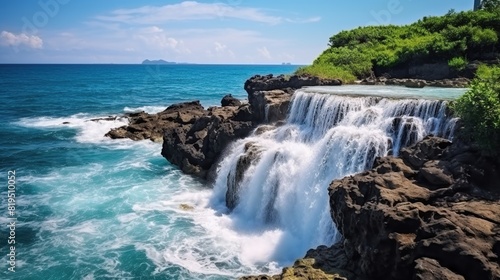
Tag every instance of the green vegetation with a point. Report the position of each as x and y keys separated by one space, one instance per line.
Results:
x=479 y=109
x=458 y=63
x=454 y=38
x=327 y=72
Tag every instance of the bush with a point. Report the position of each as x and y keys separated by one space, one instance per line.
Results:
x=479 y=109
x=448 y=38
x=351 y=60
x=458 y=63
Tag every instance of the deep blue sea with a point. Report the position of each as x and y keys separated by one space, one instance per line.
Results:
x=88 y=207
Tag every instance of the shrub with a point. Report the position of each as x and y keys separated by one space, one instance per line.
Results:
x=448 y=38
x=458 y=63
x=479 y=108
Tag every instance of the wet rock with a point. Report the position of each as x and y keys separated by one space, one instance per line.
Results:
x=110 y=118
x=415 y=83
x=269 y=82
x=270 y=106
x=152 y=126
x=252 y=153
x=303 y=269
x=417 y=218
x=197 y=146
x=194 y=138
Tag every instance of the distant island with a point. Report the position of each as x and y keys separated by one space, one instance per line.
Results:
x=160 y=61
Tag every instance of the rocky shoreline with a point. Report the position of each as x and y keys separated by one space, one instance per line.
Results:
x=194 y=137
x=417 y=83
x=434 y=213
x=431 y=214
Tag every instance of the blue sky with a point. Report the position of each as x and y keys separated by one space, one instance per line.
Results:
x=213 y=31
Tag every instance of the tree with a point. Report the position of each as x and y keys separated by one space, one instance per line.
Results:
x=490 y=4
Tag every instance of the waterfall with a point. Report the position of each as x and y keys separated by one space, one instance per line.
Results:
x=277 y=178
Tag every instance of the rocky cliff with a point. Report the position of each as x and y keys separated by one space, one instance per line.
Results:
x=194 y=137
x=434 y=213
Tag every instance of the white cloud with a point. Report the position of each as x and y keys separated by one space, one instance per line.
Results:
x=264 y=52
x=16 y=40
x=308 y=20
x=188 y=10
x=221 y=50
x=220 y=47
x=160 y=40
x=152 y=29
x=157 y=38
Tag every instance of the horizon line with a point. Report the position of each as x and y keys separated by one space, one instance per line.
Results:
x=164 y=64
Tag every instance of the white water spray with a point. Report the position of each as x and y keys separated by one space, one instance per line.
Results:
x=278 y=179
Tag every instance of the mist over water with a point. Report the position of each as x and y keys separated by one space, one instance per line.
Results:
x=94 y=208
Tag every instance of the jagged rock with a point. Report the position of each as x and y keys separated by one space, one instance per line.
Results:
x=430 y=147
x=229 y=100
x=409 y=131
x=194 y=138
x=417 y=219
x=436 y=173
x=252 y=153
x=303 y=269
x=270 y=106
x=152 y=126
x=417 y=83
x=269 y=82
x=196 y=147
x=427 y=268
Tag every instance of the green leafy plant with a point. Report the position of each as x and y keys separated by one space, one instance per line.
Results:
x=458 y=63
x=443 y=39
x=490 y=4
x=479 y=109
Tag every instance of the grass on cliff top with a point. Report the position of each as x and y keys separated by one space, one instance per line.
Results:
x=454 y=37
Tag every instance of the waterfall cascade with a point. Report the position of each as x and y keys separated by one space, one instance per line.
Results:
x=277 y=178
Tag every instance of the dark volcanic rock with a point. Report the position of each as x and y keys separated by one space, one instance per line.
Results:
x=196 y=147
x=269 y=82
x=152 y=126
x=418 y=83
x=229 y=100
x=252 y=153
x=425 y=71
x=194 y=138
x=418 y=221
x=270 y=106
x=422 y=218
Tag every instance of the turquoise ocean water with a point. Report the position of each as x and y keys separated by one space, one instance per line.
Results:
x=88 y=207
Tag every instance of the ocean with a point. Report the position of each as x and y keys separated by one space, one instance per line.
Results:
x=88 y=207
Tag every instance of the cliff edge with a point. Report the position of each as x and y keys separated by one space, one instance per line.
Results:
x=434 y=213
x=194 y=137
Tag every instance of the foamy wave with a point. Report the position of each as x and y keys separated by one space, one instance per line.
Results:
x=91 y=129
x=147 y=109
x=216 y=245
